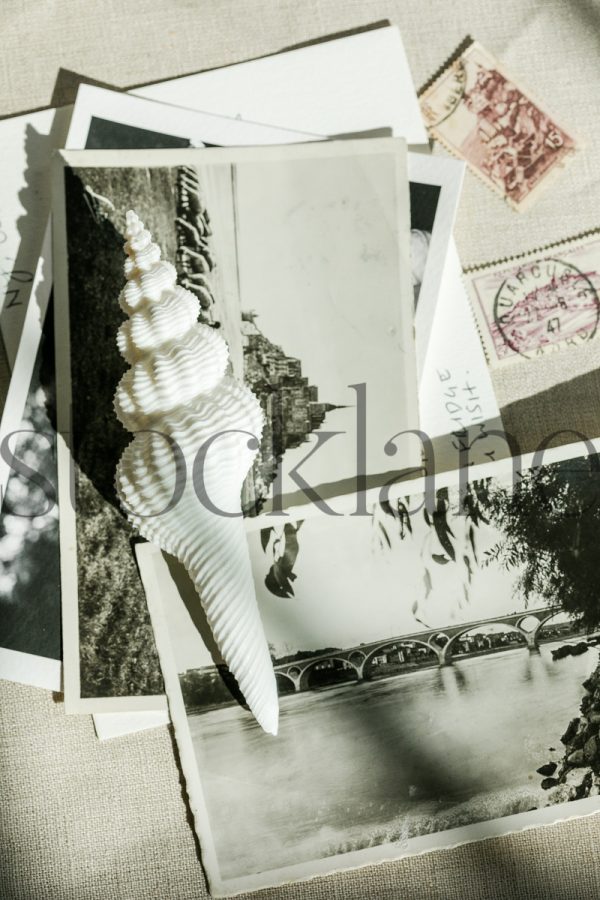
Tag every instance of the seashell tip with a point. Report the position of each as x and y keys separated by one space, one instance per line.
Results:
x=269 y=720
x=133 y=221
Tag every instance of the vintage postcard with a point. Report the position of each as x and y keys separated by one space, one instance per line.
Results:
x=406 y=643
x=458 y=405
x=538 y=303
x=481 y=114
x=25 y=276
x=458 y=409
x=27 y=144
x=369 y=86
x=30 y=636
x=275 y=292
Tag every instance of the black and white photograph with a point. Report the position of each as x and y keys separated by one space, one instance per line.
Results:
x=25 y=266
x=431 y=661
x=27 y=145
x=296 y=255
x=30 y=638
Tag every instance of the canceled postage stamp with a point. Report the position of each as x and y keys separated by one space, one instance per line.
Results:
x=539 y=303
x=479 y=113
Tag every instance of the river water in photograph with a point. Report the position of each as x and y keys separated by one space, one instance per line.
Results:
x=364 y=764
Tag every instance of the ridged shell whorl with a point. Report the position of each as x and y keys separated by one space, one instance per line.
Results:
x=175 y=397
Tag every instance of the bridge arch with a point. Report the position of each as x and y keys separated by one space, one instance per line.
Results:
x=556 y=612
x=439 y=639
x=303 y=681
x=369 y=657
x=357 y=657
x=448 y=650
x=285 y=683
x=528 y=615
x=552 y=615
x=545 y=620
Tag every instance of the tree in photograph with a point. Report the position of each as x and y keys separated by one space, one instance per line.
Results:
x=29 y=555
x=550 y=521
x=450 y=537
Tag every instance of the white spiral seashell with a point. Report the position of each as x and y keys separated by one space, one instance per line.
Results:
x=196 y=435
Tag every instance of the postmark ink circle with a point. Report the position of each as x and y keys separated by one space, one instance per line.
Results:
x=543 y=306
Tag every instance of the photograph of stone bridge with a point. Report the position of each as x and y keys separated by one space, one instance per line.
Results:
x=434 y=645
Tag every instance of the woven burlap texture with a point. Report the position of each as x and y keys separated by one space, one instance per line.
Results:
x=84 y=820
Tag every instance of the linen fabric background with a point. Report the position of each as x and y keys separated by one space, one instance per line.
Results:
x=81 y=819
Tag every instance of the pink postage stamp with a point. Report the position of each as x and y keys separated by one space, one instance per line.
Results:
x=538 y=303
x=479 y=113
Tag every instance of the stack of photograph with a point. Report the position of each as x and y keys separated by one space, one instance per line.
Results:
x=279 y=473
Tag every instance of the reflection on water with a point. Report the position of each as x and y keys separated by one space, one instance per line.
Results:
x=364 y=764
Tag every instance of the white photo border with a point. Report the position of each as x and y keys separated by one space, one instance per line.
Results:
x=156 y=575
x=74 y=702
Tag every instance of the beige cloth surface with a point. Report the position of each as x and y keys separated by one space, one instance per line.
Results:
x=82 y=819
